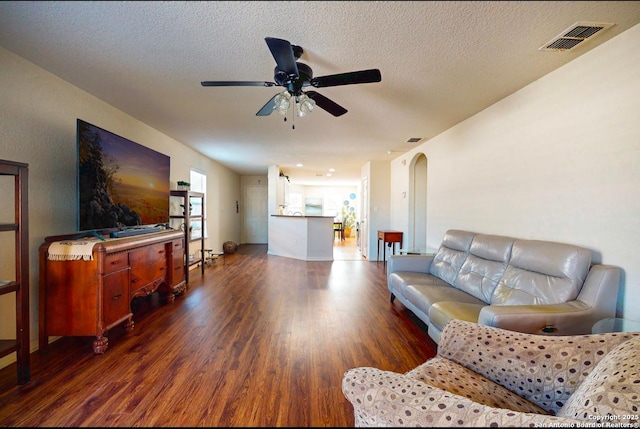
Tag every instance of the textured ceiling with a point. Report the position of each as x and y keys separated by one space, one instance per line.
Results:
x=441 y=62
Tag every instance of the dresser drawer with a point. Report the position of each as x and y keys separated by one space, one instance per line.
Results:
x=115 y=298
x=177 y=275
x=140 y=276
x=115 y=262
x=153 y=254
x=178 y=245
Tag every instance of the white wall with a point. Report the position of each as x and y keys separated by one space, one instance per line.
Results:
x=558 y=160
x=378 y=174
x=38 y=127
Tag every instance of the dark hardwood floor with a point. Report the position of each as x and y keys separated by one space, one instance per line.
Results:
x=259 y=341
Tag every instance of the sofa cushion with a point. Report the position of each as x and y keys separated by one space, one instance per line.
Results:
x=424 y=296
x=610 y=390
x=455 y=378
x=442 y=312
x=486 y=263
x=542 y=272
x=451 y=255
x=400 y=280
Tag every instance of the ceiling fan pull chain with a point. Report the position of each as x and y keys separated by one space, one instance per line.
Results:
x=293 y=118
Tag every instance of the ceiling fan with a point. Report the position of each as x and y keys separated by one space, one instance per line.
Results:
x=295 y=77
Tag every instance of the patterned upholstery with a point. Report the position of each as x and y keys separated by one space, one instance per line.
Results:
x=607 y=388
x=487 y=376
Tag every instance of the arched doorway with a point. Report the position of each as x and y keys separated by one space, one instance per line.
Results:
x=418 y=202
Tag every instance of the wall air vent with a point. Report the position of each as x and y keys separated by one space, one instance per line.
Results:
x=574 y=35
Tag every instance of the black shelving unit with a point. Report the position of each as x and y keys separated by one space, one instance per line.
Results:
x=19 y=285
x=192 y=222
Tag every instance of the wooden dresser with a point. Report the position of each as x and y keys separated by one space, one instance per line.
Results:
x=89 y=297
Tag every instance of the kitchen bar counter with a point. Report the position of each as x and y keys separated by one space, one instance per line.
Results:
x=309 y=238
x=299 y=216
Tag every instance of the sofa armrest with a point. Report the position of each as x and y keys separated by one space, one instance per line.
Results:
x=560 y=363
x=416 y=263
x=600 y=289
x=383 y=398
x=567 y=318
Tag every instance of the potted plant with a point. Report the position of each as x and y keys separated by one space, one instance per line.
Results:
x=348 y=220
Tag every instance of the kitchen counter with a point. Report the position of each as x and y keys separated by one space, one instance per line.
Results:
x=299 y=216
x=309 y=238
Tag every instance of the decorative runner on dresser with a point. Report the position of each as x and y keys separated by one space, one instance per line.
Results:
x=71 y=250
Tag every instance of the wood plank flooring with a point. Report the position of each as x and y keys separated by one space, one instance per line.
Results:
x=259 y=341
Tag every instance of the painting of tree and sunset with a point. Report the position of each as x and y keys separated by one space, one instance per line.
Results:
x=120 y=183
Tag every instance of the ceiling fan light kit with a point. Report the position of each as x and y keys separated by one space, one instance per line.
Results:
x=294 y=77
x=282 y=102
x=305 y=105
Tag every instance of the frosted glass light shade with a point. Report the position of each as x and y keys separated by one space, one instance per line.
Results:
x=282 y=103
x=305 y=105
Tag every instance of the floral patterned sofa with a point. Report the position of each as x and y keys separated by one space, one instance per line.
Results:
x=486 y=376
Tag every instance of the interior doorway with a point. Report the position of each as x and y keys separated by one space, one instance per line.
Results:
x=347 y=249
x=418 y=202
x=256 y=214
x=363 y=228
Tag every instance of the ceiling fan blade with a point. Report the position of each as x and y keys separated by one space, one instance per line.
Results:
x=362 y=76
x=268 y=108
x=324 y=103
x=283 y=54
x=235 y=83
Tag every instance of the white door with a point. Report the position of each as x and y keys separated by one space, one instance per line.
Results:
x=364 y=221
x=256 y=214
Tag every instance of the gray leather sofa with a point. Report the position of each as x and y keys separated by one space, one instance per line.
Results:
x=530 y=286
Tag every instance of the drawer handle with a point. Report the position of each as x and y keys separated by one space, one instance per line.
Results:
x=136 y=280
x=161 y=251
x=116 y=297
x=116 y=262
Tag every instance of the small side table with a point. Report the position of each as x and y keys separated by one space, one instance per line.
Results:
x=615 y=324
x=418 y=251
x=390 y=237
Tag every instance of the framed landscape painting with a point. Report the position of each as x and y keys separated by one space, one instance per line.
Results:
x=313 y=206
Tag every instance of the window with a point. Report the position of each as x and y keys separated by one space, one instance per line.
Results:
x=332 y=206
x=198 y=181
x=295 y=203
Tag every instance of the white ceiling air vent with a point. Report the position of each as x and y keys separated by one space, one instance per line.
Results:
x=414 y=139
x=574 y=35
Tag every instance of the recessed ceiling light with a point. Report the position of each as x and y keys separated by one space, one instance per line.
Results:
x=328 y=174
x=299 y=164
x=332 y=169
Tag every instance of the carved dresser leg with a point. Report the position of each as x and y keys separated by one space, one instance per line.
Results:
x=128 y=325
x=171 y=297
x=100 y=345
